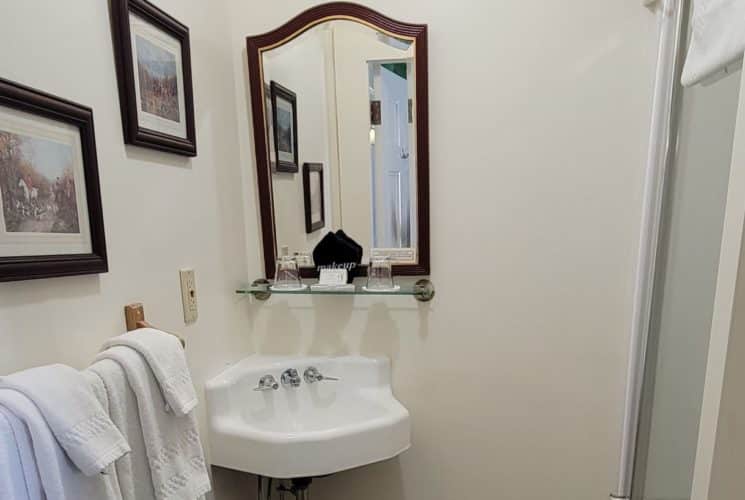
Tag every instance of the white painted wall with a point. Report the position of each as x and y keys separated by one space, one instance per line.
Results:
x=301 y=67
x=162 y=212
x=514 y=374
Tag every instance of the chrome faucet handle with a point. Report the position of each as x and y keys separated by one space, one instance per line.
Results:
x=290 y=378
x=267 y=383
x=312 y=375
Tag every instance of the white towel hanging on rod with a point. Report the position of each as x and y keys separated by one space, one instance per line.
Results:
x=723 y=73
x=717 y=39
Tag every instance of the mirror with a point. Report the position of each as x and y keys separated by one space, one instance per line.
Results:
x=339 y=97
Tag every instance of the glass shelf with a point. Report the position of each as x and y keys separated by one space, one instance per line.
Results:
x=422 y=290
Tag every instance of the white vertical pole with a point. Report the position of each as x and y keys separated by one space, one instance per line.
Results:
x=660 y=154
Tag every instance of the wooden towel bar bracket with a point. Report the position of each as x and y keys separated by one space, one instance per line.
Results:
x=134 y=315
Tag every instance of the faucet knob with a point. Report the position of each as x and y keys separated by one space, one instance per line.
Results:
x=312 y=375
x=290 y=378
x=267 y=383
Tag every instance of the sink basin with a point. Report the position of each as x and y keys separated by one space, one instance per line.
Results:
x=311 y=430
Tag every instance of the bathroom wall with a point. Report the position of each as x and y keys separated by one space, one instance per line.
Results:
x=514 y=374
x=301 y=67
x=162 y=212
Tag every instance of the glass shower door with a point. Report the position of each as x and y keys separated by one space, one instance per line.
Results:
x=686 y=273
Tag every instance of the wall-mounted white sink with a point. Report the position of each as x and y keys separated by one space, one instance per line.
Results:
x=314 y=429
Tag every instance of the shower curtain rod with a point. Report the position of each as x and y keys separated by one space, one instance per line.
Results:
x=661 y=153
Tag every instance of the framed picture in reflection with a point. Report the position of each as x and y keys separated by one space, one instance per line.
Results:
x=313 y=196
x=271 y=154
x=153 y=61
x=284 y=120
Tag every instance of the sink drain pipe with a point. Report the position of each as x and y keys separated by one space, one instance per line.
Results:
x=299 y=488
x=264 y=488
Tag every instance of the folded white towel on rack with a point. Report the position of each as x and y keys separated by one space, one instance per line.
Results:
x=61 y=479
x=172 y=444
x=19 y=475
x=133 y=472
x=717 y=38
x=165 y=355
x=73 y=414
x=99 y=390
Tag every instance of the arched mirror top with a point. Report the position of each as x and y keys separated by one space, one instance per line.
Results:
x=340 y=121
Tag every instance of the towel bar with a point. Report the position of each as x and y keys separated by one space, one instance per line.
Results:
x=134 y=315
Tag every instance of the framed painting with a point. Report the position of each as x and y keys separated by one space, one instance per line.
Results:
x=313 y=196
x=284 y=124
x=51 y=221
x=153 y=61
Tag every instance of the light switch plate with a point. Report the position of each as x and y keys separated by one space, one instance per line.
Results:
x=189 y=295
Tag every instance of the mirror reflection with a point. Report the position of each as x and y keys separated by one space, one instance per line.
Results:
x=340 y=126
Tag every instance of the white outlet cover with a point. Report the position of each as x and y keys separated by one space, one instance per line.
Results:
x=189 y=295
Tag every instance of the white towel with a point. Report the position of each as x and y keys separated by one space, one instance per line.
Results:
x=133 y=472
x=172 y=443
x=73 y=414
x=165 y=355
x=99 y=390
x=60 y=478
x=717 y=38
x=19 y=476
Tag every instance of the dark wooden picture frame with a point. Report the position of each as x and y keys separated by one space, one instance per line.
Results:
x=269 y=126
x=134 y=132
x=256 y=45
x=310 y=224
x=277 y=91
x=16 y=268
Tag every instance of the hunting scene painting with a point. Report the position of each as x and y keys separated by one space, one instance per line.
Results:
x=51 y=216
x=158 y=79
x=152 y=52
x=37 y=184
x=284 y=121
x=284 y=129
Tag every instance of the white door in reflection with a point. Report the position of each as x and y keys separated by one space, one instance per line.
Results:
x=390 y=154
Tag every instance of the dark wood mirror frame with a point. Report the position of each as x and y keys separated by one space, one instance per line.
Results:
x=256 y=45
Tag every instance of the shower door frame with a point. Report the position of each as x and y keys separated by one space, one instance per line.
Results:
x=662 y=148
x=729 y=311
x=660 y=156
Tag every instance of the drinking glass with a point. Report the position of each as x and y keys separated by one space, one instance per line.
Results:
x=380 y=274
x=303 y=259
x=287 y=276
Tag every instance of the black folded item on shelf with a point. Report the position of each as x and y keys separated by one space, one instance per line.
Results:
x=338 y=251
x=344 y=236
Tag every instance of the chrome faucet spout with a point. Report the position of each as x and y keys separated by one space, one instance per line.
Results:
x=290 y=378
